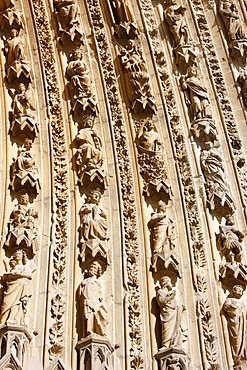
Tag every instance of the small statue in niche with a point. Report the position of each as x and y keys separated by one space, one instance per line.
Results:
x=231 y=19
x=16 y=64
x=125 y=25
x=236 y=315
x=196 y=95
x=82 y=98
x=136 y=79
x=170 y=314
x=24 y=173
x=175 y=17
x=229 y=241
x=162 y=229
x=148 y=137
x=93 y=222
x=89 y=154
x=22 y=230
x=242 y=79
x=67 y=13
x=93 y=310
x=23 y=117
x=213 y=170
x=16 y=290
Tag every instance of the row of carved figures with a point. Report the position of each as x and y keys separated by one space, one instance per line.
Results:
x=20 y=245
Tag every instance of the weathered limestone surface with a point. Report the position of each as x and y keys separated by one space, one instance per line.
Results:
x=123 y=185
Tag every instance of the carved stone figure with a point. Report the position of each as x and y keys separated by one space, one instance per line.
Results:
x=162 y=229
x=196 y=96
x=229 y=241
x=16 y=64
x=231 y=19
x=136 y=78
x=93 y=223
x=242 y=79
x=16 y=290
x=235 y=312
x=213 y=170
x=67 y=13
x=125 y=25
x=148 y=137
x=23 y=117
x=24 y=173
x=82 y=98
x=170 y=314
x=175 y=17
x=89 y=155
x=93 y=311
x=22 y=229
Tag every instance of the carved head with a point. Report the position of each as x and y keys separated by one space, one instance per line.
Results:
x=191 y=72
x=165 y=282
x=14 y=33
x=229 y=219
x=20 y=256
x=161 y=206
x=24 y=199
x=88 y=121
x=237 y=291
x=95 y=269
x=21 y=87
x=28 y=143
x=208 y=145
x=94 y=196
x=130 y=44
x=150 y=124
x=77 y=54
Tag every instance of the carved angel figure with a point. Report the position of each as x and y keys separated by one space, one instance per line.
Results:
x=93 y=310
x=80 y=82
x=23 y=102
x=89 y=155
x=162 y=229
x=16 y=290
x=213 y=170
x=22 y=225
x=175 y=17
x=196 y=96
x=93 y=223
x=170 y=314
x=231 y=19
x=229 y=241
x=24 y=173
x=148 y=137
x=235 y=312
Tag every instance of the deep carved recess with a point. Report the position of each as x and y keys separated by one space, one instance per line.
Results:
x=59 y=239
x=129 y=212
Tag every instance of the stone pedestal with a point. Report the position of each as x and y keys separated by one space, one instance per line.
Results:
x=172 y=358
x=94 y=352
x=14 y=341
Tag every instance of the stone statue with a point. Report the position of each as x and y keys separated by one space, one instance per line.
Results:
x=229 y=241
x=93 y=312
x=235 y=312
x=231 y=19
x=125 y=25
x=174 y=15
x=148 y=137
x=162 y=229
x=89 y=155
x=170 y=314
x=93 y=223
x=14 y=50
x=24 y=173
x=213 y=170
x=242 y=79
x=80 y=82
x=22 y=228
x=196 y=96
x=16 y=290
x=67 y=13
x=136 y=78
x=23 y=103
